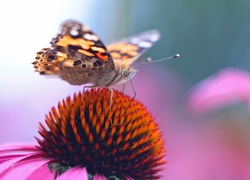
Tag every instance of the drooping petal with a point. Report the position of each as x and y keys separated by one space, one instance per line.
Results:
x=7 y=165
x=76 y=173
x=23 y=161
x=9 y=156
x=23 y=168
x=41 y=171
x=21 y=147
x=12 y=151
x=226 y=87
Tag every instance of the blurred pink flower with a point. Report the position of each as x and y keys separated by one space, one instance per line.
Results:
x=226 y=87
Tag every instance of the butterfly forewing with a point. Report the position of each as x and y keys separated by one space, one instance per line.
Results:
x=78 y=37
x=77 y=55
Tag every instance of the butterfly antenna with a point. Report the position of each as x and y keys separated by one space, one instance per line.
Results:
x=149 y=60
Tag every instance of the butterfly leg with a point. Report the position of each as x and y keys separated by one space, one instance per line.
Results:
x=131 y=82
x=123 y=87
x=111 y=96
x=133 y=89
x=83 y=90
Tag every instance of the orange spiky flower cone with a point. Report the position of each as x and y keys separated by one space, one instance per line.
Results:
x=123 y=141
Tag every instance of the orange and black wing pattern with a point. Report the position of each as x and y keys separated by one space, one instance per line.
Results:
x=76 y=55
x=75 y=48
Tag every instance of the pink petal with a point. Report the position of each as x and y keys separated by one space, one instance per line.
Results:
x=99 y=177
x=18 y=147
x=7 y=165
x=29 y=155
x=76 y=173
x=227 y=86
x=43 y=171
x=24 y=169
x=7 y=157
x=12 y=151
x=23 y=161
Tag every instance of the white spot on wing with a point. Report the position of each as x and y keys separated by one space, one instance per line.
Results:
x=135 y=40
x=146 y=39
x=73 y=32
x=154 y=37
x=90 y=37
x=145 y=44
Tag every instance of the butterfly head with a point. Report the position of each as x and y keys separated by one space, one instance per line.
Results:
x=127 y=74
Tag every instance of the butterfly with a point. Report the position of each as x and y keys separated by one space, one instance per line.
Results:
x=78 y=56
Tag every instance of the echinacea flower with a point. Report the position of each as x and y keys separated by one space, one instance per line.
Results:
x=85 y=139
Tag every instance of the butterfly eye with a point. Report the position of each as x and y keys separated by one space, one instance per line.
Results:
x=125 y=73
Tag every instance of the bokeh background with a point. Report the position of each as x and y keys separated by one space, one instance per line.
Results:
x=209 y=35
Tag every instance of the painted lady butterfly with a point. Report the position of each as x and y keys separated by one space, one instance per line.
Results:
x=79 y=57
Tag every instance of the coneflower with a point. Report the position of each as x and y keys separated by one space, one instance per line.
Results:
x=85 y=138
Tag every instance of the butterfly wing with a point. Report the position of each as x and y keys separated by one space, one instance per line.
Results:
x=128 y=50
x=77 y=55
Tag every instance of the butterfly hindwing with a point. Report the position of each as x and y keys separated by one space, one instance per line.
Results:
x=129 y=49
